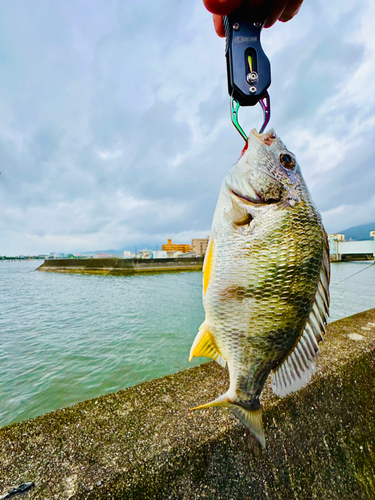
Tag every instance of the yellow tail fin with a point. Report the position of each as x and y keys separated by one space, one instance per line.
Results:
x=252 y=419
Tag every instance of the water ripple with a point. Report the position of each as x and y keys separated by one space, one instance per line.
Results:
x=66 y=338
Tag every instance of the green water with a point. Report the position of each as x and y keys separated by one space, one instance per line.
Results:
x=65 y=338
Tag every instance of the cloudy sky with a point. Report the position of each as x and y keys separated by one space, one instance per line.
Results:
x=114 y=118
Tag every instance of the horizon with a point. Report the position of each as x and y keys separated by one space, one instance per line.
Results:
x=159 y=245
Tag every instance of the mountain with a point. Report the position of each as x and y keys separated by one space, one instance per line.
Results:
x=109 y=252
x=120 y=251
x=361 y=232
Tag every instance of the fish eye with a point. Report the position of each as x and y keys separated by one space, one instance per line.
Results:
x=288 y=161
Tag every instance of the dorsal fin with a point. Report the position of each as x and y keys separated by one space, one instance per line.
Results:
x=296 y=370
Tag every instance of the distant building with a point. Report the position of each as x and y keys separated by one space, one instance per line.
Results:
x=55 y=255
x=372 y=235
x=333 y=240
x=172 y=247
x=336 y=237
x=145 y=254
x=189 y=255
x=128 y=254
x=199 y=246
x=159 y=254
x=174 y=255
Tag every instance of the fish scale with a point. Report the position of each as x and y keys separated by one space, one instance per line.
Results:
x=263 y=274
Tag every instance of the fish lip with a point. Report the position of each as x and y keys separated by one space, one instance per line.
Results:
x=266 y=138
x=258 y=201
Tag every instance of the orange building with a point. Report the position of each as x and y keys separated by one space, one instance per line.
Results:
x=172 y=247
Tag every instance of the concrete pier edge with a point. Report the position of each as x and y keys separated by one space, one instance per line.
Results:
x=114 y=266
x=145 y=443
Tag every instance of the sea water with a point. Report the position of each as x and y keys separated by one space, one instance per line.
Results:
x=65 y=338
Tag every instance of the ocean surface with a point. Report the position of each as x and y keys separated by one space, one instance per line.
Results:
x=65 y=338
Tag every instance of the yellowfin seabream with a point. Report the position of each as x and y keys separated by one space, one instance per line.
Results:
x=265 y=280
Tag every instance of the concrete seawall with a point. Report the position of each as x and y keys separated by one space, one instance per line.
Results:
x=145 y=443
x=121 y=266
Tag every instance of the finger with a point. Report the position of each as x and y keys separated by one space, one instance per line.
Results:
x=222 y=7
x=290 y=10
x=219 y=25
x=257 y=9
x=277 y=8
x=254 y=7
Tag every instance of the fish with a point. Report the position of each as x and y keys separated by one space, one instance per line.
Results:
x=266 y=278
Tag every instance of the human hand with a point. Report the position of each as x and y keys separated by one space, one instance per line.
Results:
x=282 y=10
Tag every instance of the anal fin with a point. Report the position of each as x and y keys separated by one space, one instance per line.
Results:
x=205 y=345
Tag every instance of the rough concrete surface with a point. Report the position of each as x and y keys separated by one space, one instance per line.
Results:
x=116 y=266
x=145 y=443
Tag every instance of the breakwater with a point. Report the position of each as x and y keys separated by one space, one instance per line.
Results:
x=121 y=266
x=145 y=442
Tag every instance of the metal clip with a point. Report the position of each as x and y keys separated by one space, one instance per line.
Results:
x=248 y=67
x=235 y=106
x=266 y=106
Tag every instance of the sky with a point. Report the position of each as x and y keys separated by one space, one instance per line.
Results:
x=115 y=127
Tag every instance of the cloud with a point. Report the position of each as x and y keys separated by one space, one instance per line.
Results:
x=114 y=119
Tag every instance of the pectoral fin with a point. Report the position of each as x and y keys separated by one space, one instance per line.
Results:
x=205 y=345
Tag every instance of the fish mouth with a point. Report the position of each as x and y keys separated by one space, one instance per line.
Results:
x=254 y=201
x=267 y=138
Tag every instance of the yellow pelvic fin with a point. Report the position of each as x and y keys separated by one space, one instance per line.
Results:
x=205 y=345
x=207 y=267
x=252 y=419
